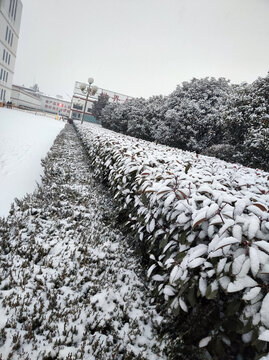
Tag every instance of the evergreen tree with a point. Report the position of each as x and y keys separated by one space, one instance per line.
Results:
x=99 y=105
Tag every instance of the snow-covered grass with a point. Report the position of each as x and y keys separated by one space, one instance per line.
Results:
x=203 y=222
x=70 y=286
x=25 y=138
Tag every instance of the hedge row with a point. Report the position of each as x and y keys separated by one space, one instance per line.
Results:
x=204 y=225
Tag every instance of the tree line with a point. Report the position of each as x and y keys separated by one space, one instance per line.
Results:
x=208 y=116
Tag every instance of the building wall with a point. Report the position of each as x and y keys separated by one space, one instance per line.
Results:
x=23 y=97
x=10 y=20
x=29 y=98
x=55 y=105
x=79 y=99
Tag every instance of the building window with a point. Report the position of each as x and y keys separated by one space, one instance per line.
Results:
x=9 y=59
x=11 y=42
x=4 y=97
x=6 y=33
x=4 y=54
x=6 y=76
x=1 y=93
x=15 y=11
x=9 y=36
x=1 y=73
x=10 y=6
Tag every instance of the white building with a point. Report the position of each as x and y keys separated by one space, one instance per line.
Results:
x=32 y=99
x=55 y=105
x=79 y=99
x=25 y=98
x=10 y=20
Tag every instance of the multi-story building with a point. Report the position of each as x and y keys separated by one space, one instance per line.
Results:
x=55 y=105
x=32 y=99
x=10 y=20
x=79 y=99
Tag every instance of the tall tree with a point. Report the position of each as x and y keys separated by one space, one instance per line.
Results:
x=99 y=105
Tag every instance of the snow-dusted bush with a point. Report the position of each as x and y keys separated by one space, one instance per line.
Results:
x=221 y=151
x=200 y=114
x=70 y=285
x=245 y=123
x=204 y=224
x=187 y=118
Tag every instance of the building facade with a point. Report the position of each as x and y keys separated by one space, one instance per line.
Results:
x=10 y=20
x=79 y=99
x=25 y=98
x=55 y=105
x=29 y=98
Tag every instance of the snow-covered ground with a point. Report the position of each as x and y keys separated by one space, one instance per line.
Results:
x=25 y=139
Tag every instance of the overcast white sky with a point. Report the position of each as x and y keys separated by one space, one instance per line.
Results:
x=140 y=47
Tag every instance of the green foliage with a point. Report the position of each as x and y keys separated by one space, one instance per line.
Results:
x=206 y=240
x=205 y=116
x=99 y=105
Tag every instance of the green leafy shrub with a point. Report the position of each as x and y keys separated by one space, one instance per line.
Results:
x=204 y=226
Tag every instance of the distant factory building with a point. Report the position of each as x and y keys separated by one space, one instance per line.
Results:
x=32 y=99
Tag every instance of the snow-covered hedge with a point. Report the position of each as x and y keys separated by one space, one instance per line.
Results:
x=203 y=222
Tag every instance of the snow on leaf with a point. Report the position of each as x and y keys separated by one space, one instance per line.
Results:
x=198 y=222
x=212 y=245
x=245 y=268
x=263 y=245
x=204 y=342
x=167 y=246
x=252 y=293
x=212 y=210
x=241 y=283
x=164 y=190
x=183 y=305
x=264 y=336
x=151 y=226
x=153 y=266
x=182 y=193
x=254 y=260
x=260 y=206
x=221 y=265
x=205 y=189
x=228 y=223
x=196 y=262
x=237 y=232
x=175 y=274
x=170 y=198
x=224 y=282
x=199 y=250
x=239 y=207
x=227 y=241
x=265 y=311
x=169 y=290
x=254 y=225
x=157 y=277
x=202 y=286
x=238 y=263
